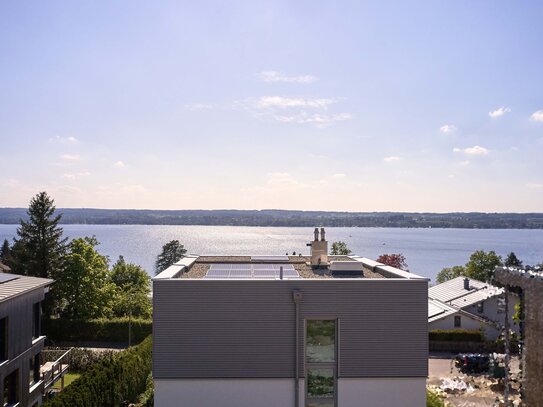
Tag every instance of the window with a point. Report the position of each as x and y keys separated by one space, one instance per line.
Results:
x=457 y=321
x=3 y=339
x=320 y=362
x=481 y=307
x=11 y=388
x=34 y=370
x=36 y=320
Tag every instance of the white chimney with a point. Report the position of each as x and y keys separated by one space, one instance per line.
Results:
x=319 y=249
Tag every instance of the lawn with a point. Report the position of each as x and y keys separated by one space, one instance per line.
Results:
x=68 y=379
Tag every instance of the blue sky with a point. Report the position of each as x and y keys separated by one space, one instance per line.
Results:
x=315 y=105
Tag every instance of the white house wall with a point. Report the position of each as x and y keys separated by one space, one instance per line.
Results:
x=371 y=392
x=491 y=311
x=382 y=392
x=468 y=323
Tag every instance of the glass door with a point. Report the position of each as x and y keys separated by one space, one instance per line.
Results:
x=320 y=363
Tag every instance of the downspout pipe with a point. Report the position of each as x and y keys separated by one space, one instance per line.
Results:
x=297 y=297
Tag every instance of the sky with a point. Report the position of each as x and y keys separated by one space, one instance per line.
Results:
x=313 y=105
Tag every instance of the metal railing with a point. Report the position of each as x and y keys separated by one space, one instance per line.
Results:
x=56 y=370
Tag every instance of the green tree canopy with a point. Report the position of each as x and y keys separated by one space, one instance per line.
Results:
x=340 y=248
x=394 y=260
x=5 y=254
x=512 y=260
x=482 y=266
x=40 y=247
x=83 y=288
x=132 y=289
x=172 y=252
x=449 y=273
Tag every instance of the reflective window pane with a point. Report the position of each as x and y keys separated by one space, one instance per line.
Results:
x=320 y=341
x=320 y=384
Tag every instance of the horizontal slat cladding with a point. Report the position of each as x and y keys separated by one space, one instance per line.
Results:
x=213 y=329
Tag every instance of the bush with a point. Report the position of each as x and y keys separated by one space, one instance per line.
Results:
x=433 y=400
x=147 y=398
x=110 y=382
x=97 y=330
x=457 y=335
x=79 y=359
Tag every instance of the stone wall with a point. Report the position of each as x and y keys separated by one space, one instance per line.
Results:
x=532 y=285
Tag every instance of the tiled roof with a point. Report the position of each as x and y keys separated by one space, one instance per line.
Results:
x=20 y=285
x=453 y=293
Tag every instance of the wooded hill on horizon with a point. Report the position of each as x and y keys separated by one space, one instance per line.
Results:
x=276 y=217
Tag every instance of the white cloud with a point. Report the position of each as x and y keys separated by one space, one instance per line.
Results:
x=534 y=186
x=475 y=150
x=537 y=116
x=319 y=120
x=463 y=163
x=65 y=140
x=199 y=106
x=76 y=175
x=448 y=128
x=270 y=102
x=499 y=112
x=274 y=76
x=300 y=110
x=119 y=164
x=70 y=157
x=391 y=159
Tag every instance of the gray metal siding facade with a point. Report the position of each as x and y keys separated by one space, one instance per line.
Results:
x=246 y=329
x=19 y=311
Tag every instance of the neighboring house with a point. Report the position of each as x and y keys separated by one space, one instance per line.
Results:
x=280 y=331
x=21 y=339
x=468 y=304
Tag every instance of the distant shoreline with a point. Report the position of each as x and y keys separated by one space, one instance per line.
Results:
x=287 y=218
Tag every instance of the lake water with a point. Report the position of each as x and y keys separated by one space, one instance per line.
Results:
x=427 y=250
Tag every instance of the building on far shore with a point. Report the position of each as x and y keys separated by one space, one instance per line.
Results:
x=463 y=303
x=280 y=331
x=21 y=339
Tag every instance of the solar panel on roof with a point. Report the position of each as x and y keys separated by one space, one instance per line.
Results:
x=220 y=266
x=4 y=277
x=248 y=271
x=269 y=258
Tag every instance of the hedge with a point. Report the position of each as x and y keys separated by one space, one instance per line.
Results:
x=97 y=330
x=111 y=382
x=458 y=335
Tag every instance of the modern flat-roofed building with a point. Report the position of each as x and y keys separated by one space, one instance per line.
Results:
x=302 y=331
x=21 y=339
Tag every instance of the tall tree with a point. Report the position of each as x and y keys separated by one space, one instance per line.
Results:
x=132 y=287
x=394 y=260
x=449 y=273
x=83 y=288
x=512 y=260
x=40 y=247
x=172 y=252
x=340 y=248
x=482 y=266
x=5 y=254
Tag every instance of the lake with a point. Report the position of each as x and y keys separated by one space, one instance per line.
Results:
x=427 y=250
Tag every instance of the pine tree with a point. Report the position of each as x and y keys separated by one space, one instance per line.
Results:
x=171 y=253
x=40 y=248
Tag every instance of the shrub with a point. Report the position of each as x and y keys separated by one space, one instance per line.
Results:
x=433 y=400
x=146 y=399
x=97 y=330
x=457 y=335
x=111 y=382
x=79 y=359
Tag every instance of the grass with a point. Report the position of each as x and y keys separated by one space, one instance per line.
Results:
x=68 y=379
x=433 y=400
